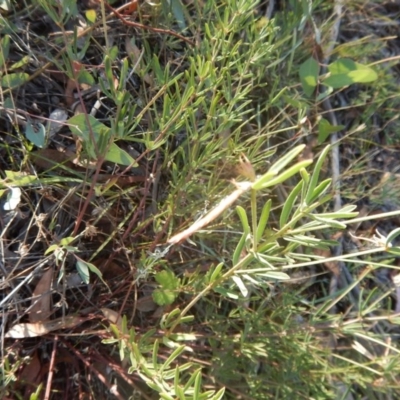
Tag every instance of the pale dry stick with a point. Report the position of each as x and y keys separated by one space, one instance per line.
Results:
x=270 y=9
x=335 y=163
x=51 y=370
x=394 y=58
x=24 y=281
x=241 y=187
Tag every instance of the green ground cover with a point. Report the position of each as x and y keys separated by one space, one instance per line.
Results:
x=199 y=199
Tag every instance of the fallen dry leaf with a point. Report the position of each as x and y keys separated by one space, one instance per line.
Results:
x=136 y=56
x=31 y=371
x=57 y=119
x=241 y=187
x=25 y=330
x=112 y=317
x=146 y=303
x=333 y=266
x=50 y=158
x=40 y=310
x=131 y=8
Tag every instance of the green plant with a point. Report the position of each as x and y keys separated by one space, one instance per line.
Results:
x=260 y=300
x=300 y=205
x=168 y=381
x=168 y=291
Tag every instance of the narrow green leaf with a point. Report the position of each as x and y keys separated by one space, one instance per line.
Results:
x=260 y=184
x=71 y=249
x=329 y=222
x=338 y=214
x=108 y=71
x=178 y=11
x=226 y=292
x=262 y=223
x=197 y=386
x=392 y=235
x=315 y=175
x=240 y=284
x=305 y=176
x=156 y=67
x=250 y=279
x=21 y=63
x=275 y=168
x=320 y=189
x=177 y=386
x=274 y=275
x=239 y=248
x=309 y=72
x=288 y=206
x=175 y=354
x=263 y=260
x=93 y=269
x=217 y=271
x=35 y=396
x=191 y=380
x=303 y=240
x=394 y=250
x=66 y=241
x=164 y=396
x=171 y=318
x=113 y=53
x=262 y=179
x=179 y=391
x=83 y=271
x=243 y=219
x=4 y=50
x=286 y=159
x=124 y=326
x=219 y=395
x=51 y=249
x=155 y=354
x=85 y=77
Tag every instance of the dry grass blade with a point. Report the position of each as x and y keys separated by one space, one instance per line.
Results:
x=113 y=317
x=29 y=330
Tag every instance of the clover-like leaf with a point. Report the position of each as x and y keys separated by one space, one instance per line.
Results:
x=345 y=72
x=309 y=71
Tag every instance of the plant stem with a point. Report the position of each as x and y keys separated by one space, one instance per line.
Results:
x=242 y=263
x=254 y=217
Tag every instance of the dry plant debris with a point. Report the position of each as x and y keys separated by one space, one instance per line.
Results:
x=125 y=271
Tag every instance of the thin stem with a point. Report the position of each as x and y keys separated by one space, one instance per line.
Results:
x=242 y=263
x=254 y=217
